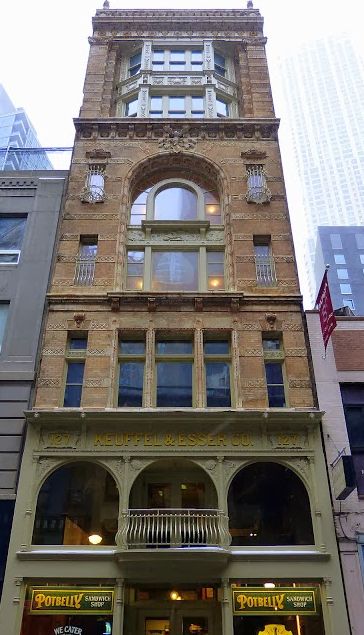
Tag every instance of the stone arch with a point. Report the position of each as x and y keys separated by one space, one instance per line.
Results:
x=76 y=499
x=269 y=504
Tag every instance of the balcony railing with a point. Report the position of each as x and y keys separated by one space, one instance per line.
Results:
x=161 y=528
x=85 y=271
x=265 y=271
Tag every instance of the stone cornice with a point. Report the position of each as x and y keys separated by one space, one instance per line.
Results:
x=119 y=129
x=191 y=21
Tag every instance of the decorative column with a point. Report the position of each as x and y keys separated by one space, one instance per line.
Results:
x=226 y=608
x=118 y=615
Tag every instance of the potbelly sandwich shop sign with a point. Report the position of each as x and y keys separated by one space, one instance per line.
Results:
x=72 y=601
x=282 y=601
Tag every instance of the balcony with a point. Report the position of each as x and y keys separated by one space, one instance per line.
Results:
x=85 y=272
x=265 y=271
x=173 y=528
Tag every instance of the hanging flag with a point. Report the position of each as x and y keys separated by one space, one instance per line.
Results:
x=324 y=305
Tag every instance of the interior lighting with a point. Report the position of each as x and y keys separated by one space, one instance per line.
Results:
x=215 y=282
x=174 y=595
x=95 y=539
x=269 y=585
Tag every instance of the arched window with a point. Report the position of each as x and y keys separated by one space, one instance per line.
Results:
x=269 y=505
x=77 y=505
x=176 y=200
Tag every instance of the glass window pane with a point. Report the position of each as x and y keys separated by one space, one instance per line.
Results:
x=9 y=258
x=174 y=384
x=138 y=214
x=135 y=257
x=215 y=257
x=174 y=271
x=142 y=197
x=217 y=384
x=262 y=251
x=72 y=396
x=11 y=231
x=175 y=203
x=128 y=347
x=88 y=251
x=216 y=347
x=158 y=55
x=196 y=55
x=156 y=103
x=271 y=344
x=177 y=56
x=276 y=398
x=219 y=59
x=215 y=282
x=336 y=241
x=134 y=283
x=4 y=309
x=169 y=347
x=77 y=343
x=345 y=288
x=362 y=259
x=197 y=103
x=75 y=372
x=273 y=373
x=339 y=259
x=131 y=378
x=135 y=270
x=221 y=108
x=176 y=104
x=136 y=59
x=342 y=274
x=131 y=108
x=359 y=241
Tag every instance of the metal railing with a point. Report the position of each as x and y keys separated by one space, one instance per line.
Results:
x=85 y=271
x=265 y=271
x=161 y=528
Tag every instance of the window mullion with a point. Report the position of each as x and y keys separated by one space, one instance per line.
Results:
x=202 y=269
x=149 y=373
x=199 y=371
x=147 y=268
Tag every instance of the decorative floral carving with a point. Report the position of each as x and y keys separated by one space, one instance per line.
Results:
x=175 y=141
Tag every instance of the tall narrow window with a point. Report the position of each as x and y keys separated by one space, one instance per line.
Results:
x=85 y=264
x=94 y=190
x=222 y=108
x=196 y=60
x=135 y=270
x=131 y=108
x=76 y=356
x=4 y=310
x=212 y=207
x=131 y=373
x=257 y=189
x=217 y=373
x=11 y=237
x=220 y=67
x=135 y=64
x=273 y=363
x=174 y=372
x=158 y=59
x=264 y=263
x=215 y=270
x=177 y=60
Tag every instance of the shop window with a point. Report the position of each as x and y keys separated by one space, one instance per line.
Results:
x=85 y=263
x=257 y=189
x=12 y=230
x=174 y=373
x=75 y=368
x=273 y=365
x=217 y=373
x=4 y=310
x=94 y=190
x=131 y=372
x=269 y=505
x=77 y=505
x=264 y=262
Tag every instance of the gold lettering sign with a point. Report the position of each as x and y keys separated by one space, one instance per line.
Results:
x=71 y=601
x=191 y=440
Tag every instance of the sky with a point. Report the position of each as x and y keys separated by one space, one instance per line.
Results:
x=44 y=50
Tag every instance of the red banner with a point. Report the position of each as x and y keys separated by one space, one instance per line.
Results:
x=324 y=305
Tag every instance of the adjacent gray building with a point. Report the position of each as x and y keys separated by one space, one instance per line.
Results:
x=30 y=203
x=343 y=249
x=16 y=132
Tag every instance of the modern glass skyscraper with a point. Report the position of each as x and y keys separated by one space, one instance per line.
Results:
x=16 y=131
x=323 y=89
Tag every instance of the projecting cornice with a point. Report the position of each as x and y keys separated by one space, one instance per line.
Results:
x=217 y=23
x=115 y=128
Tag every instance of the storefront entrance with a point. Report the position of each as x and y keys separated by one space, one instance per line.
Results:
x=173 y=612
